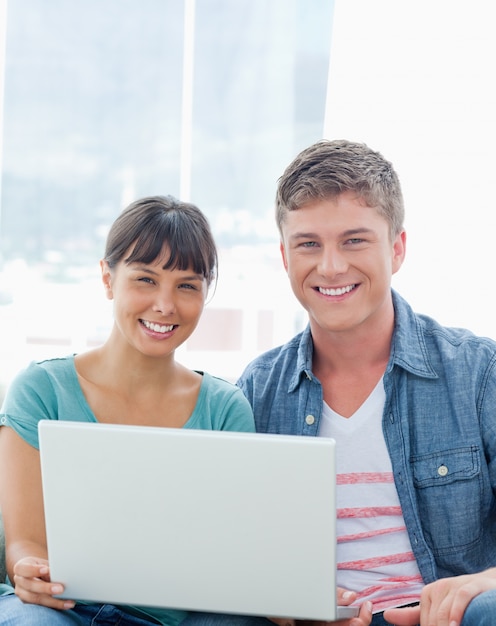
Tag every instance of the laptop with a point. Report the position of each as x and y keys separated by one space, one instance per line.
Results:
x=216 y=521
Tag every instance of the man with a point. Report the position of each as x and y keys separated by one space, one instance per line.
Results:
x=412 y=405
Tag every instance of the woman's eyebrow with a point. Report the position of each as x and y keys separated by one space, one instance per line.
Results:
x=141 y=267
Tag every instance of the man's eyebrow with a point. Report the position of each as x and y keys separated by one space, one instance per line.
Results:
x=303 y=236
x=346 y=233
x=358 y=231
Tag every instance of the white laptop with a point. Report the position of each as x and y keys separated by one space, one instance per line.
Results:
x=210 y=521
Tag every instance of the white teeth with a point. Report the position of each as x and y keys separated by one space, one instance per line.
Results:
x=157 y=328
x=336 y=292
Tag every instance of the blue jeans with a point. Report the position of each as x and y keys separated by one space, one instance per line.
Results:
x=213 y=619
x=480 y=612
x=13 y=612
x=217 y=619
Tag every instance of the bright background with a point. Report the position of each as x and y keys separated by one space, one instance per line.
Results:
x=211 y=100
x=415 y=80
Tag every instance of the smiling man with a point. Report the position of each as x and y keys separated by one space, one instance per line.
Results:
x=411 y=404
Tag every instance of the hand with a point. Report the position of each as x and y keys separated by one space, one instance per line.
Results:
x=443 y=602
x=345 y=598
x=33 y=585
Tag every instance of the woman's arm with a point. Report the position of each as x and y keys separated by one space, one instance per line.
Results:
x=21 y=501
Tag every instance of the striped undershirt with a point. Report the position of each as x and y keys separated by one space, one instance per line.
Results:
x=374 y=554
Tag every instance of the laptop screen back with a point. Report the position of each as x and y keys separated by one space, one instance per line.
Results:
x=219 y=521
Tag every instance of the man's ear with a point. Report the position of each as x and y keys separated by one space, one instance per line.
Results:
x=107 y=279
x=283 y=254
x=399 y=251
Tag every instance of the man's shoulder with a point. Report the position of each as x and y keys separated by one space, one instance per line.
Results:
x=454 y=336
x=420 y=335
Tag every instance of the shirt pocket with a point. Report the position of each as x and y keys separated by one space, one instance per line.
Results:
x=449 y=489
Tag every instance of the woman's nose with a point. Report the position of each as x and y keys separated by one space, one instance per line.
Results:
x=164 y=303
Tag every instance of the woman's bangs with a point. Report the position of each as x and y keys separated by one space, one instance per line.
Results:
x=186 y=254
x=147 y=249
x=178 y=250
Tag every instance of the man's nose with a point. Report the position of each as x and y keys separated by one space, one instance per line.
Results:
x=332 y=261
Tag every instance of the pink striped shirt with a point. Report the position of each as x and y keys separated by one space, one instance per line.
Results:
x=375 y=558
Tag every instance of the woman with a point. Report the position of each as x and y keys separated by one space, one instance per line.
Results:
x=160 y=260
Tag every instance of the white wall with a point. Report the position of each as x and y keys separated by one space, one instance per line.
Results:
x=415 y=80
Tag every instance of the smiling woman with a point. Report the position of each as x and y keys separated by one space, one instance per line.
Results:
x=159 y=262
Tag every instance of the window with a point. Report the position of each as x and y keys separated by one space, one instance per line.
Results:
x=206 y=100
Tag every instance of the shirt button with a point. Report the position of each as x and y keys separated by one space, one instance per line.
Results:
x=3 y=420
x=442 y=470
x=310 y=419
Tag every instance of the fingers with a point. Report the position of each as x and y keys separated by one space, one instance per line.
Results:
x=403 y=617
x=345 y=597
x=445 y=601
x=364 y=617
x=33 y=585
x=31 y=592
x=463 y=596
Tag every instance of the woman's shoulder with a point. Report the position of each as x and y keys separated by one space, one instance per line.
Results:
x=221 y=405
x=214 y=385
x=56 y=368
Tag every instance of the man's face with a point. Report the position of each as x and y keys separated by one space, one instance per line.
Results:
x=340 y=259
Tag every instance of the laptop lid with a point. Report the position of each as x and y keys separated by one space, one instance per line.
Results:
x=219 y=521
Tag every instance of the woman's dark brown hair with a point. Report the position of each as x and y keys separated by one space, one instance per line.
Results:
x=155 y=224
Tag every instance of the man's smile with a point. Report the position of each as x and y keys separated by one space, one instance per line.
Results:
x=338 y=291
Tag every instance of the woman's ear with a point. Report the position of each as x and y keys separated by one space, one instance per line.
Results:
x=107 y=279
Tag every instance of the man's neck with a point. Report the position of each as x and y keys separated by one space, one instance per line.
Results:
x=350 y=364
x=354 y=350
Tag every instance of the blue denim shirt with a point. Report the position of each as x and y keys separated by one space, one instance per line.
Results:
x=439 y=424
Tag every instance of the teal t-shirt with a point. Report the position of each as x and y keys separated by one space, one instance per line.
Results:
x=50 y=390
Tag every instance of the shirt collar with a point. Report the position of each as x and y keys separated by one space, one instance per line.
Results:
x=303 y=360
x=409 y=349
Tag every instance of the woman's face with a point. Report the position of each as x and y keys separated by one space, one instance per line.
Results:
x=155 y=309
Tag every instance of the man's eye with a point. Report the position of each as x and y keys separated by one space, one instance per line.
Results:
x=355 y=240
x=309 y=244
